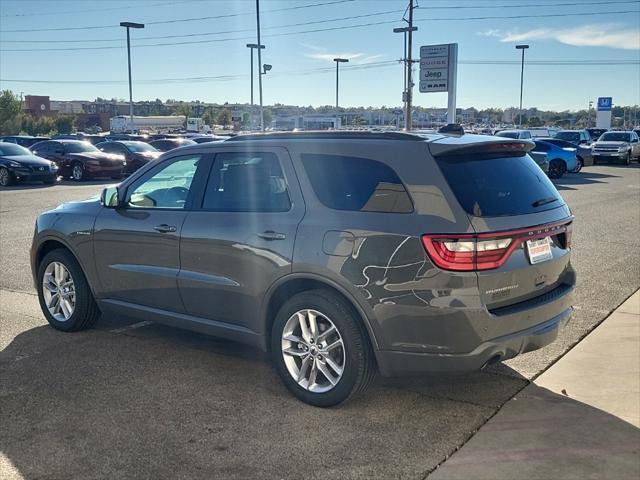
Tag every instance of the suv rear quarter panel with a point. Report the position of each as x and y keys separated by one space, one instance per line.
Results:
x=379 y=257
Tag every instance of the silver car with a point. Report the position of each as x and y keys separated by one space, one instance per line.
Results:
x=617 y=147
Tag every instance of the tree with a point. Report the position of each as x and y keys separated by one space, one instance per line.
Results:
x=268 y=117
x=224 y=118
x=65 y=123
x=10 y=113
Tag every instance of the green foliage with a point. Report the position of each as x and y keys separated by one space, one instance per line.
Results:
x=224 y=118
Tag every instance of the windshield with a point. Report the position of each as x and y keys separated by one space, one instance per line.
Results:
x=495 y=187
x=508 y=134
x=7 y=149
x=140 y=147
x=615 y=137
x=569 y=136
x=79 y=147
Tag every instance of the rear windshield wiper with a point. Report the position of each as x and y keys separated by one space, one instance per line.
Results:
x=544 y=201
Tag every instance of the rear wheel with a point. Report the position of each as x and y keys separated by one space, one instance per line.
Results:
x=77 y=172
x=557 y=168
x=5 y=177
x=320 y=349
x=64 y=294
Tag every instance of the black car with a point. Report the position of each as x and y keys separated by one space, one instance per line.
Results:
x=136 y=154
x=80 y=160
x=19 y=164
x=166 y=144
x=23 y=140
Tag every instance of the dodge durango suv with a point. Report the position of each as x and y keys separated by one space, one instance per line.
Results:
x=343 y=254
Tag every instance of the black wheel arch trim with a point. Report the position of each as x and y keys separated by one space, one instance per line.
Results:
x=361 y=309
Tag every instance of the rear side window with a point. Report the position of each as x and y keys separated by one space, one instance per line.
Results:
x=495 y=187
x=354 y=183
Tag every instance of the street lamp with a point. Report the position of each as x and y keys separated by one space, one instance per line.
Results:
x=404 y=30
x=523 y=48
x=253 y=46
x=129 y=25
x=338 y=62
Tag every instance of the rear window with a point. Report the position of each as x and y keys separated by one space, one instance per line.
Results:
x=495 y=187
x=355 y=183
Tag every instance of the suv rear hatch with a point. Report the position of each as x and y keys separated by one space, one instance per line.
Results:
x=521 y=247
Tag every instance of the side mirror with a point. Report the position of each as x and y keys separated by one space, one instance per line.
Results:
x=110 y=197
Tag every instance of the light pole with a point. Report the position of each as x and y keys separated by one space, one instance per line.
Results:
x=404 y=30
x=129 y=25
x=253 y=46
x=523 y=48
x=338 y=62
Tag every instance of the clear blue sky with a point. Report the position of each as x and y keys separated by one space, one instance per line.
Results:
x=302 y=67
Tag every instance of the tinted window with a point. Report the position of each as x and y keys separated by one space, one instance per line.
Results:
x=508 y=134
x=354 y=183
x=493 y=187
x=79 y=147
x=615 y=137
x=246 y=182
x=12 y=149
x=167 y=188
x=569 y=136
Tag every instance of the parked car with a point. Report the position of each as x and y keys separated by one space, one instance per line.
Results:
x=541 y=159
x=19 y=164
x=136 y=154
x=80 y=160
x=596 y=133
x=515 y=134
x=166 y=144
x=616 y=146
x=23 y=140
x=577 y=137
x=327 y=249
x=584 y=153
x=561 y=160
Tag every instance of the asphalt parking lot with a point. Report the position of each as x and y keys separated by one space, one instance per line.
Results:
x=146 y=401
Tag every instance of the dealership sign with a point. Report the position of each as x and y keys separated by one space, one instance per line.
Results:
x=439 y=71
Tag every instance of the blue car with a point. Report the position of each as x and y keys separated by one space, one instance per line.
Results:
x=561 y=159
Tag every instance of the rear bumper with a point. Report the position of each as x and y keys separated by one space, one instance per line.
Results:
x=396 y=363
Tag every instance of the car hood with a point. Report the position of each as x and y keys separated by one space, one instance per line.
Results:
x=29 y=160
x=611 y=144
x=97 y=156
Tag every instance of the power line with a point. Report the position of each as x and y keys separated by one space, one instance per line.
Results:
x=161 y=22
x=168 y=44
x=312 y=71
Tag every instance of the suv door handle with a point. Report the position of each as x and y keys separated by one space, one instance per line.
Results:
x=271 y=235
x=164 y=228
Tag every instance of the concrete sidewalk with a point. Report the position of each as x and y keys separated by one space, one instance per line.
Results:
x=579 y=420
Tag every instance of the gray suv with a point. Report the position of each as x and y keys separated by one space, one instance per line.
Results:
x=341 y=253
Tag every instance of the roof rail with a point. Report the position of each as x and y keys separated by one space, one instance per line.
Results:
x=328 y=134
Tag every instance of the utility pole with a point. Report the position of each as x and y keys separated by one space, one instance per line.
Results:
x=259 y=63
x=523 y=48
x=407 y=114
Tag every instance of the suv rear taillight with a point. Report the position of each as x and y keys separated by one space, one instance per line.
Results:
x=487 y=251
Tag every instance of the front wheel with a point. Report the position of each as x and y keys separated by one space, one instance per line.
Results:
x=579 y=165
x=77 y=172
x=64 y=294
x=320 y=349
x=5 y=177
x=556 y=168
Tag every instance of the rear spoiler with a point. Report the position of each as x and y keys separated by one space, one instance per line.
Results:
x=479 y=145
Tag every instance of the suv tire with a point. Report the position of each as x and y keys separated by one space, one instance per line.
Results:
x=61 y=272
x=354 y=355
